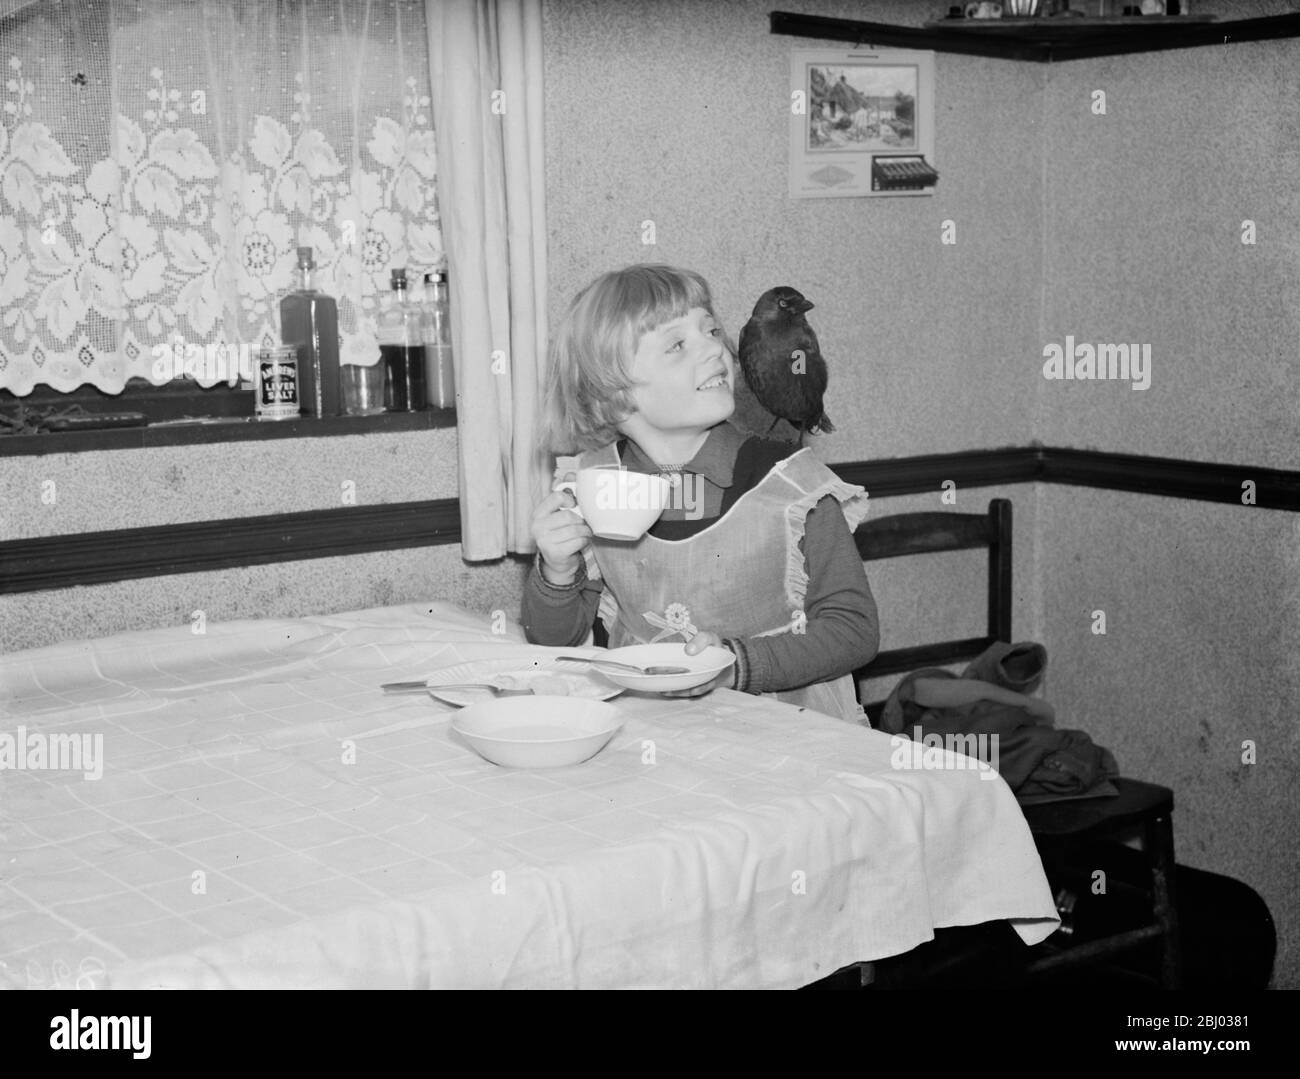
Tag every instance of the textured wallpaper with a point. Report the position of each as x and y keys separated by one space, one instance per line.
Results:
x=176 y=484
x=677 y=114
x=1172 y=221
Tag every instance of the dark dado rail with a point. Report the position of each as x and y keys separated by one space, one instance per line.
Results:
x=32 y=565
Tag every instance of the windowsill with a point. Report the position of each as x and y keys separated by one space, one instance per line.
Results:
x=231 y=429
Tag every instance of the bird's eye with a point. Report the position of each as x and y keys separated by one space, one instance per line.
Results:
x=783 y=303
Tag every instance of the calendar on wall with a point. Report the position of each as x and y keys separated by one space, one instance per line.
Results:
x=861 y=123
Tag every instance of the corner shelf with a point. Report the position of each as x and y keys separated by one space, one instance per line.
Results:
x=1045 y=40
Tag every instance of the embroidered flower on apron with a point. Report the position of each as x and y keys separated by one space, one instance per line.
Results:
x=676 y=619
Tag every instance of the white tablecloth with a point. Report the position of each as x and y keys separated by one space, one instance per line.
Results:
x=267 y=818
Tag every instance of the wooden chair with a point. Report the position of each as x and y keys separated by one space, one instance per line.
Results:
x=1060 y=829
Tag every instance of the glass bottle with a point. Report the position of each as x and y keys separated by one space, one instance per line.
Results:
x=401 y=349
x=439 y=373
x=310 y=320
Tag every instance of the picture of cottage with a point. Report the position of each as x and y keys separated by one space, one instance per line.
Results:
x=861 y=107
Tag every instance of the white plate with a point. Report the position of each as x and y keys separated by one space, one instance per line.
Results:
x=538 y=732
x=700 y=668
x=583 y=683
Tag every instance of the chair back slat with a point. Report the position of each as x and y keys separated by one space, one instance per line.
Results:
x=1000 y=569
x=920 y=533
x=939 y=654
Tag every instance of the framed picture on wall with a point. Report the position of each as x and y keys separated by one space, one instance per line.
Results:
x=861 y=123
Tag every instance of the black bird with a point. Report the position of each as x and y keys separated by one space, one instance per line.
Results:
x=782 y=362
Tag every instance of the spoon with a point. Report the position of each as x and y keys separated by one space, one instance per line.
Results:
x=626 y=666
x=421 y=687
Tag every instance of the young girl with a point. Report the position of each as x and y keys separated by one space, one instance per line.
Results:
x=755 y=552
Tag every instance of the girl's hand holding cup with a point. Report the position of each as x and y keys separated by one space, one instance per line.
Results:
x=561 y=536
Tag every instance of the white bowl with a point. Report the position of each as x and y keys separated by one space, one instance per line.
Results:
x=700 y=668
x=538 y=731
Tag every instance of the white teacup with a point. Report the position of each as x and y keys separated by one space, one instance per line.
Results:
x=985 y=9
x=616 y=503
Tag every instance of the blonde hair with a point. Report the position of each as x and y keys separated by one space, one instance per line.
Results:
x=588 y=391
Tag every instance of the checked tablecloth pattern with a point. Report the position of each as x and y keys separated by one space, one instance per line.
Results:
x=267 y=818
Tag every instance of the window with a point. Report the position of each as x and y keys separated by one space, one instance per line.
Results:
x=160 y=164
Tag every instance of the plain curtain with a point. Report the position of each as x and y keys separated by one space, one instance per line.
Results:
x=485 y=63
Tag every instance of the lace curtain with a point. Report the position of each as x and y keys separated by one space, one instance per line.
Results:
x=161 y=160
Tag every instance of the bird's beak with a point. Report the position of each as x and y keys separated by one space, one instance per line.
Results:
x=806 y=305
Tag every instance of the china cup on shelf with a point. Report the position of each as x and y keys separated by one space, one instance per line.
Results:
x=984 y=9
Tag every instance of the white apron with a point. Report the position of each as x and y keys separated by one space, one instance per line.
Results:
x=743 y=576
